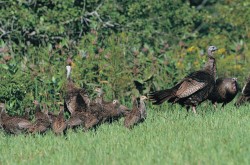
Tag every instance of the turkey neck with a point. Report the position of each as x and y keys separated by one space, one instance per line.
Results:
x=68 y=69
x=70 y=83
x=210 y=66
x=37 y=109
x=142 y=105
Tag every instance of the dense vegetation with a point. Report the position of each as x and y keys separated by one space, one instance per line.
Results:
x=114 y=43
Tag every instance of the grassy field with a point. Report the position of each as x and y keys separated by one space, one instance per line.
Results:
x=170 y=135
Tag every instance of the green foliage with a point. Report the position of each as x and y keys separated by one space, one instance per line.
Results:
x=114 y=44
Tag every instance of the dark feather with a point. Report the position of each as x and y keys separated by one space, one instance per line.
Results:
x=139 y=86
x=191 y=90
x=224 y=91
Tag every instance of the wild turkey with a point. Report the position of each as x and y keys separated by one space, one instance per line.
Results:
x=42 y=120
x=193 y=89
x=100 y=94
x=40 y=126
x=88 y=118
x=97 y=114
x=224 y=91
x=83 y=111
x=59 y=124
x=13 y=124
x=112 y=112
x=39 y=113
x=142 y=108
x=245 y=94
x=52 y=116
x=99 y=99
x=76 y=119
x=138 y=114
x=75 y=96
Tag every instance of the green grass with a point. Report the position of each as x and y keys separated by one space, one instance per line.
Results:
x=169 y=136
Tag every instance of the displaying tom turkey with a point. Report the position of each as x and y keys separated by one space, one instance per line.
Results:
x=224 y=91
x=192 y=89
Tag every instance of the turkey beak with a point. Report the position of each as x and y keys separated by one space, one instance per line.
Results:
x=215 y=49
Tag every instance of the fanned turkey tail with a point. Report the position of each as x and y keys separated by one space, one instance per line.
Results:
x=158 y=97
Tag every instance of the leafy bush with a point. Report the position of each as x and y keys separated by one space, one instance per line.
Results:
x=127 y=47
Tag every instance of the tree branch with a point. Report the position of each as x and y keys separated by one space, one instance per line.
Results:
x=3 y=32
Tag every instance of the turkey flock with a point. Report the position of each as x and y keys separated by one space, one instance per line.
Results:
x=87 y=114
x=202 y=85
x=84 y=113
